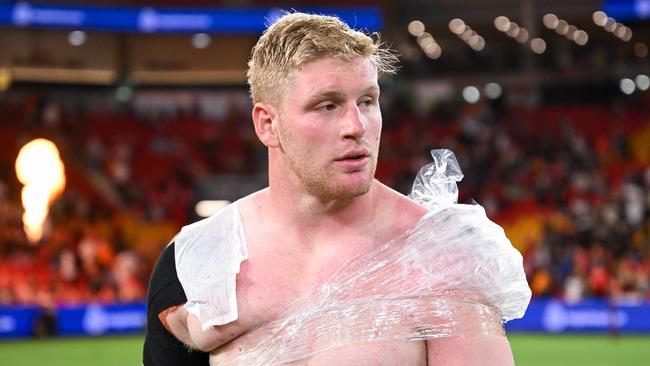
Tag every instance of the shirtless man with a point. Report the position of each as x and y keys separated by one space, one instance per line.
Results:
x=313 y=82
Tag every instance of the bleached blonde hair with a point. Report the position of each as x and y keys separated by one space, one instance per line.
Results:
x=298 y=38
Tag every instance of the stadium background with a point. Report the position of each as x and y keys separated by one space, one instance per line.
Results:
x=147 y=104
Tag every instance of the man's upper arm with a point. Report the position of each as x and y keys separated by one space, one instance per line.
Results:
x=167 y=314
x=165 y=292
x=479 y=340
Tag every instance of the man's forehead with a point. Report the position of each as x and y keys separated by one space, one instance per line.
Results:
x=333 y=73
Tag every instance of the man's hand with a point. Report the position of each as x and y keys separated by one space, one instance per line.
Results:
x=187 y=329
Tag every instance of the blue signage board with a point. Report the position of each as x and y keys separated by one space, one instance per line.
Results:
x=588 y=316
x=622 y=10
x=543 y=316
x=96 y=319
x=89 y=319
x=17 y=322
x=168 y=20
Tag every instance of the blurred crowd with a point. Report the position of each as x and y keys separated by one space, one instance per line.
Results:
x=570 y=184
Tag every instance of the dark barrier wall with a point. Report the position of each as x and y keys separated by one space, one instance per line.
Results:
x=542 y=316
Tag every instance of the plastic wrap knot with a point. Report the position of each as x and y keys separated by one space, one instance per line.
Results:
x=435 y=186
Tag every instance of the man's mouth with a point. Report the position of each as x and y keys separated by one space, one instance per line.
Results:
x=354 y=160
x=355 y=155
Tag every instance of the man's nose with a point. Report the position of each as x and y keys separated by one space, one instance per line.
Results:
x=354 y=123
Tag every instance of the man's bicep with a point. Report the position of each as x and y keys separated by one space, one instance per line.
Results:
x=478 y=339
x=165 y=341
x=473 y=350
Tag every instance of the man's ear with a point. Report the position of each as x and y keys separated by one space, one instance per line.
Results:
x=264 y=119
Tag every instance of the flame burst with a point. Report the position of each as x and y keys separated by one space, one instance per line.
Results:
x=40 y=169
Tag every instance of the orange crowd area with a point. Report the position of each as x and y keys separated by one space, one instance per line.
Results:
x=570 y=184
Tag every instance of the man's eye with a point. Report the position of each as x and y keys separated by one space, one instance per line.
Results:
x=367 y=102
x=327 y=107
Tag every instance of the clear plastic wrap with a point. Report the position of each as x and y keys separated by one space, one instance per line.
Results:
x=453 y=273
x=435 y=186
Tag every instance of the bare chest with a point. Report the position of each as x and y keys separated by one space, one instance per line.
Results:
x=274 y=276
x=270 y=280
x=385 y=353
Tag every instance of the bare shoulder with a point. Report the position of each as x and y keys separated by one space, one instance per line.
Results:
x=398 y=208
x=252 y=208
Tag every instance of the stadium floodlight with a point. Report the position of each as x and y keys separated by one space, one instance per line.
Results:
x=480 y=45
x=571 y=32
x=610 y=25
x=513 y=30
x=581 y=38
x=550 y=21
x=457 y=26
x=492 y=90
x=627 y=34
x=415 y=28
x=77 y=38
x=201 y=40
x=523 y=35
x=538 y=46
x=471 y=94
x=426 y=41
x=627 y=86
x=423 y=36
x=562 y=27
x=434 y=51
x=467 y=34
x=124 y=93
x=642 y=82
x=502 y=23
x=600 y=18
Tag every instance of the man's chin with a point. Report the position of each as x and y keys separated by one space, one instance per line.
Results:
x=349 y=190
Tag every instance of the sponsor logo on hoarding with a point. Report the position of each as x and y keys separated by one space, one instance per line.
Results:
x=7 y=324
x=98 y=320
x=557 y=318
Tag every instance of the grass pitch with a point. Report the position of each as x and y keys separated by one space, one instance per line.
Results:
x=529 y=350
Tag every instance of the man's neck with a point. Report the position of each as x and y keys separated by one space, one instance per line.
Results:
x=310 y=211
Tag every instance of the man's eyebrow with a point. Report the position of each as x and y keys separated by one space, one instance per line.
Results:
x=327 y=94
x=334 y=94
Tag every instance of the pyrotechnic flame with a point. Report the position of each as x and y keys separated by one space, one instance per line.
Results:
x=40 y=169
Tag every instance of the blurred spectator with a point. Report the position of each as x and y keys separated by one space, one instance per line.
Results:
x=571 y=186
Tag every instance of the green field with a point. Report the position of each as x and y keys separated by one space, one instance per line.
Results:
x=529 y=350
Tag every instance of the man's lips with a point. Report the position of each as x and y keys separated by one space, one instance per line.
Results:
x=356 y=159
x=354 y=155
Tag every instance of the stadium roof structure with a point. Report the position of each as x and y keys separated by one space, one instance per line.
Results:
x=185 y=42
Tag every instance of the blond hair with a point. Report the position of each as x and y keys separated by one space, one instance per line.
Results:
x=298 y=38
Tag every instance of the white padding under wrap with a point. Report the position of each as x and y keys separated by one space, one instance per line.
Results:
x=208 y=256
